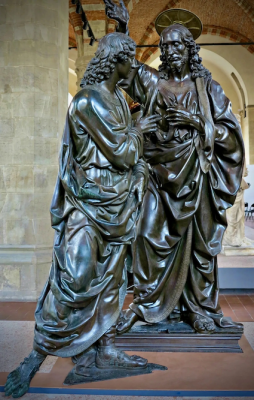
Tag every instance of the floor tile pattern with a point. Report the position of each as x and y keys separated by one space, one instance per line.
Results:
x=238 y=307
x=12 y=334
x=186 y=371
x=33 y=396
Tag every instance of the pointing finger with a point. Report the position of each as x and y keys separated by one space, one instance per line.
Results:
x=122 y=4
x=109 y=4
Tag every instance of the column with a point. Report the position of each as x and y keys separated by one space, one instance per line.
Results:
x=33 y=97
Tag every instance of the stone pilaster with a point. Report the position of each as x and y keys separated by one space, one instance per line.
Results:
x=33 y=97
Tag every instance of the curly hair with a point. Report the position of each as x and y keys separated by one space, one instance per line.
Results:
x=113 y=48
x=195 y=62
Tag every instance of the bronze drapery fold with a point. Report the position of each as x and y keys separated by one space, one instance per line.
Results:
x=194 y=178
x=94 y=220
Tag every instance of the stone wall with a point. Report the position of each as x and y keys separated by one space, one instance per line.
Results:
x=33 y=97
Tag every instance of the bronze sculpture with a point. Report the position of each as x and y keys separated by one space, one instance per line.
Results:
x=196 y=160
x=195 y=157
x=94 y=211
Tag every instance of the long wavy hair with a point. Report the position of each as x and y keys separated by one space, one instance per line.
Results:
x=195 y=62
x=113 y=48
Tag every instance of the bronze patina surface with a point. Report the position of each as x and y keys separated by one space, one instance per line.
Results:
x=195 y=159
x=95 y=210
x=179 y=16
x=179 y=337
x=154 y=192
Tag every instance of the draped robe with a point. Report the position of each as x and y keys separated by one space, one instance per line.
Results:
x=194 y=178
x=94 y=220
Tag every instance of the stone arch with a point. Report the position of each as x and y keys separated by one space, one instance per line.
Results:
x=150 y=30
x=247 y=8
x=243 y=30
x=95 y=14
x=75 y=25
x=149 y=52
x=228 y=34
x=208 y=29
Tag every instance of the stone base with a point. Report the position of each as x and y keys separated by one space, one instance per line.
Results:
x=238 y=251
x=179 y=337
x=95 y=374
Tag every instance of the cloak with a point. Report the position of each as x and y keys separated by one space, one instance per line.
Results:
x=194 y=178
x=94 y=220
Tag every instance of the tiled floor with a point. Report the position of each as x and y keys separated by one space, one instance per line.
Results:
x=187 y=372
x=34 y=396
x=238 y=307
x=250 y=222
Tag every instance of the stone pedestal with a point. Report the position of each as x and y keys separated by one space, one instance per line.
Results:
x=33 y=92
x=179 y=337
x=246 y=249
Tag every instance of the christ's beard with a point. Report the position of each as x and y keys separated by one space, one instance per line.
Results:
x=177 y=66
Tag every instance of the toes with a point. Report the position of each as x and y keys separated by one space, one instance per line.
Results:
x=210 y=327
x=203 y=326
x=11 y=385
x=21 y=390
x=8 y=386
x=121 y=327
x=8 y=392
x=139 y=360
x=199 y=326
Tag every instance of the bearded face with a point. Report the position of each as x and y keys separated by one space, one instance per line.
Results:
x=175 y=50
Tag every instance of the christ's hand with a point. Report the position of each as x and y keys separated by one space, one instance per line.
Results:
x=118 y=13
x=182 y=117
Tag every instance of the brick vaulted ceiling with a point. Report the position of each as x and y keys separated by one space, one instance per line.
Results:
x=233 y=19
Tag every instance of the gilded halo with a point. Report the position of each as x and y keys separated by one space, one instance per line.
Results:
x=179 y=16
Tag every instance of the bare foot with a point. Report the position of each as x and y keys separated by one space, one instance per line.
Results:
x=200 y=323
x=18 y=381
x=126 y=320
x=226 y=322
x=109 y=357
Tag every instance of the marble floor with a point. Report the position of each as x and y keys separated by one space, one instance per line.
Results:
x=189 y=375
x=35 y=396
x=197 y=376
